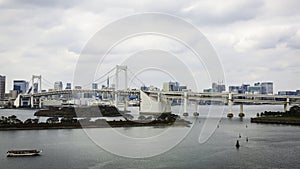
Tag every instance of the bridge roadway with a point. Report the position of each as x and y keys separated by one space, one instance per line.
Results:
x=226 y=97
x=192 y=96
x=188 y=96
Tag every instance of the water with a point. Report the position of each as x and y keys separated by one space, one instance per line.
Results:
x=269 y=146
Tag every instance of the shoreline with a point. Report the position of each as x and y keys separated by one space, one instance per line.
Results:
x=277 y=120
x=102 y=124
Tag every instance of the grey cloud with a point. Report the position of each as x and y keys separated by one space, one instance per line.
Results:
x=256 y=40
x=222 y=12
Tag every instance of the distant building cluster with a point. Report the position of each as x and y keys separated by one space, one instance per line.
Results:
x=257 y=88
x=151 y=88
x=173 y=86
x=291 y=93
x=216 y=87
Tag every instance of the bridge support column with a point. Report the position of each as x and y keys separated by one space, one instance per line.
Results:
x=125 y=104
x=31 y=102
x=230 y=114
x=116 y=98
x=158 y=97
x=287 y=104
x=40 y=103
x=196 y=107
x=185 y=104
x=241 y=111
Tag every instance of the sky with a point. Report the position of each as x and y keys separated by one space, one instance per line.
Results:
x=256 y=40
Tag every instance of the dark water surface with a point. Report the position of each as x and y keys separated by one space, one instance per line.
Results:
x=269 y=146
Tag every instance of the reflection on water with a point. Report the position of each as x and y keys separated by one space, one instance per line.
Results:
x=268 y=146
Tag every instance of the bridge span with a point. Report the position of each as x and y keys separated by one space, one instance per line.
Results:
x=161 y=99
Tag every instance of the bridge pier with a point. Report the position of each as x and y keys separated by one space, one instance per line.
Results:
x=31 y=102
x=230 y=114
x=241 y=111
x=125 y=103
x=287 y=105
x=116 y=98
x=185 y=104
x=40 y=103
x=195 y=110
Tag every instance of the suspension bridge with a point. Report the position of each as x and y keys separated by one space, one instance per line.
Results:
x=150 y=101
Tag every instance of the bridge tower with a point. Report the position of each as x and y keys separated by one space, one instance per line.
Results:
x=118 y=69
x=39 y=81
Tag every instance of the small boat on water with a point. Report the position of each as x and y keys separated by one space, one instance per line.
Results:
x=17 y=153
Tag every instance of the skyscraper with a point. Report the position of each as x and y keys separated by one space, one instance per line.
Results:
x=2 y=86
x=267 y=88
x=171 y=86
x=95 y=86
x=68 y=86
x=58 y=85
x=20 y=85
x=218 y=87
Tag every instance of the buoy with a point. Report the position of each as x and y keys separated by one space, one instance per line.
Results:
x=240 y=136
x=246 y=126
x=247 y=139
x=237 y=145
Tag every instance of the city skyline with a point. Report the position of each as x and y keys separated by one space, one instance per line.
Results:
x=257 y=88
x=255 y=40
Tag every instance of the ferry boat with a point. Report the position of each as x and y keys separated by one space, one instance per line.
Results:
x=16 y=153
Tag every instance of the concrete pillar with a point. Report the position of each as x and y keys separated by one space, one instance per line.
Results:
x=116 y=86
x=185 y=104
x=40 y=103
x=40 y=85
x=126 y=80
x=230 y=114
x=158 y=97
x=116 y=98
x=117 y=77
x=31 y=101
x=125 y=104
x=241 y=108
x=287 y=104
x=32 y=84
x=196 y=109
x=241 y=111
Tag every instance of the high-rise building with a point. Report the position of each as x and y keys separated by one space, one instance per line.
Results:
x=234 y=89
x=254 y=89
x=58 y=85
x=68 y=86
x=2 y=87
x=95 y=86
x=267 y=88
x=244 y=88
x=21 y=86
x=218 y=87
x=170 y=86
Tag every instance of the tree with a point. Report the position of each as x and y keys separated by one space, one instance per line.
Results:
x=142 y=117
x=35 y=121
x=28 y=121
x=52 y=120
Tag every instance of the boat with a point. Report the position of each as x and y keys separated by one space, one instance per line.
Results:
x=17 y=153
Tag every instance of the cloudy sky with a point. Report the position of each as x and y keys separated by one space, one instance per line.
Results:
x=256 y=40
